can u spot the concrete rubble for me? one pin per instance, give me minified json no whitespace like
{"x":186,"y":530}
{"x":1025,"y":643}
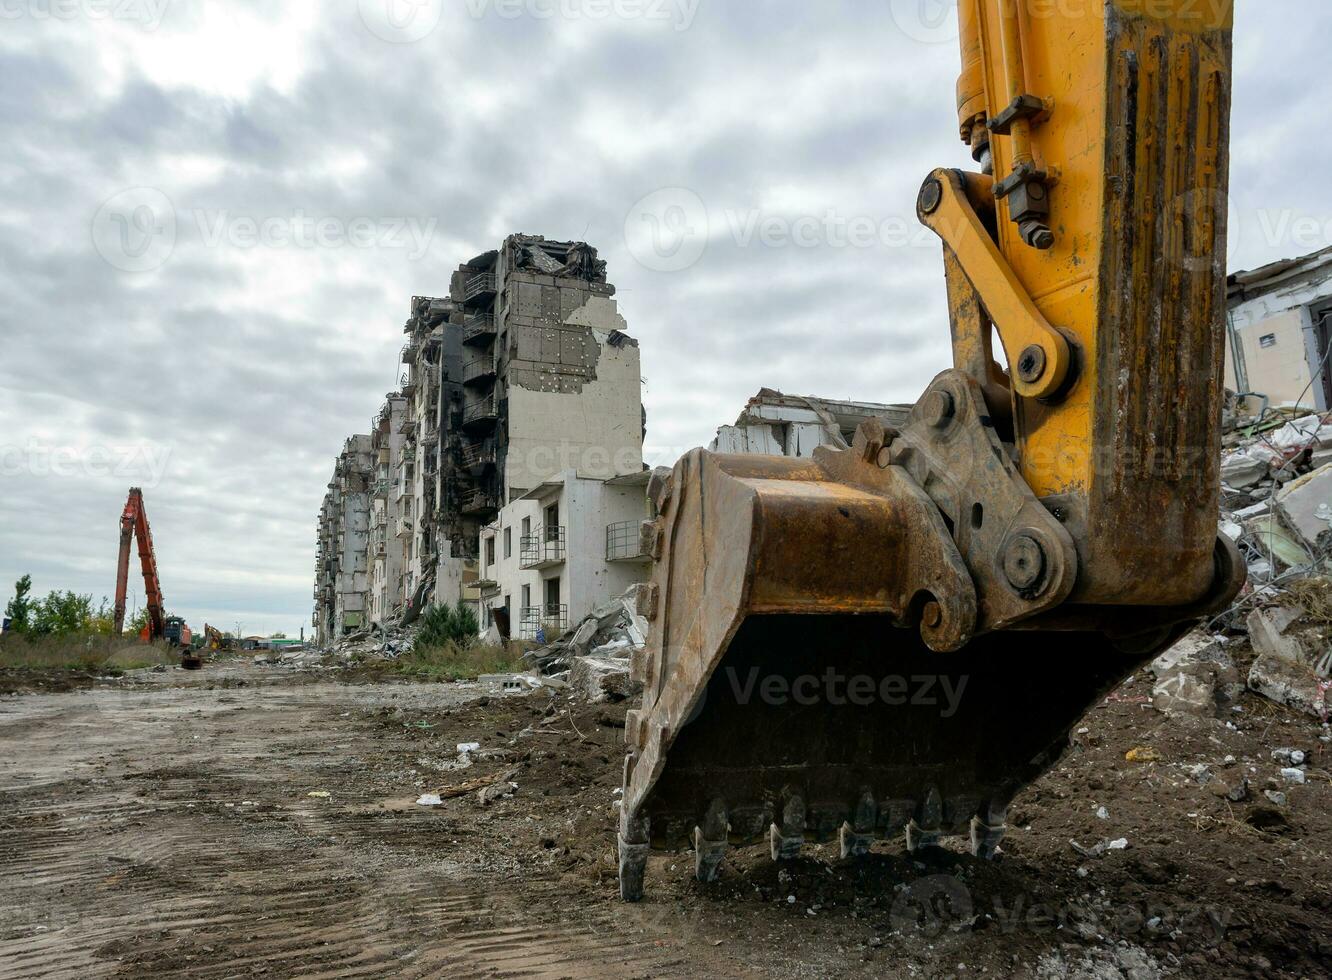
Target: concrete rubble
{"x":596,"y":653}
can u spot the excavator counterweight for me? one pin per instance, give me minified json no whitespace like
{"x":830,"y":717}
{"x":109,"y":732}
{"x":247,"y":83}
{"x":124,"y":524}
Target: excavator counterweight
{"x":899,"y":636}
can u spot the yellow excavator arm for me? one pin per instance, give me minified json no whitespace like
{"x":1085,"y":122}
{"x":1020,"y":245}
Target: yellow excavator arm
{"x":1035,"y":531}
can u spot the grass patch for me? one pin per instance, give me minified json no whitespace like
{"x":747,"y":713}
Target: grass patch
{"x":95,"y":654}
{"x":455,"y":662}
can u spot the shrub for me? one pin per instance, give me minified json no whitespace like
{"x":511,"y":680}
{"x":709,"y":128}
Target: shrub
{"x":445,"y":624}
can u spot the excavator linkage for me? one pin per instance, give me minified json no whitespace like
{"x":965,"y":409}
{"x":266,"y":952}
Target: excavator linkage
{"x":898,"y":637}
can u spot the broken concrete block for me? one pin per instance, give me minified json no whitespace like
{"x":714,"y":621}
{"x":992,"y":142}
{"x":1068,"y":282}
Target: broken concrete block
{"x":1267,"y":628}
{"x":1279,"y":633}
{"x":1305,"y":508}
{"x":1242,"y":470}
{"x":582,"y":639}
{"x":1193,"y":676}
{"x":1272,"y":539}
{"x":600,"y":680}
{"x":1291,"y":684}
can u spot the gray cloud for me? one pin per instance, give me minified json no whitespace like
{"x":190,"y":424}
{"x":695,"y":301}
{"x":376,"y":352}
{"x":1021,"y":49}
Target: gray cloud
{"x":248,"y":365}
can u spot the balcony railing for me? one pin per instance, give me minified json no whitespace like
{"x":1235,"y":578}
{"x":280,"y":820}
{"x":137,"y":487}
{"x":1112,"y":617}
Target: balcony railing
{"x":478,"y":502}
{"x":381,"y":489}
{"x":480,"y":413}
{"x":479,"y":287}
{"x":409,"y":352}
{"x":479,"y":371}
{"x":543,"y":623}
{"x":477,"y":455}
{"x":626,"y":541}
{"x":478,"y":328}
{"x":542,"y":550}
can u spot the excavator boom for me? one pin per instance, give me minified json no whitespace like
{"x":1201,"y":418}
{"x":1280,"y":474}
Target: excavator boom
{"x":899,"y":636}
{"x":134,"y":525}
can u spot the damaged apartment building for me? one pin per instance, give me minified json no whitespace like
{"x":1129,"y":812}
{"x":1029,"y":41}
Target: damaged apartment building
{"x":774,"y":424}
{"x":519,"y":417}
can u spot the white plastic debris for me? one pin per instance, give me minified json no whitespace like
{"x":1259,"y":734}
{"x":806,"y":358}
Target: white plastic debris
{"x":466,"y":748}
{"x":429,"y":799}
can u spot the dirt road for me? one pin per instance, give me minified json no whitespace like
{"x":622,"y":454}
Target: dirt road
{"x":259,"y":821}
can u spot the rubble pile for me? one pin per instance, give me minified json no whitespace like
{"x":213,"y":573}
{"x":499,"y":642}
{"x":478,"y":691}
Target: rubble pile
{"x":1276,"y":483}
{"x":594,"y":656}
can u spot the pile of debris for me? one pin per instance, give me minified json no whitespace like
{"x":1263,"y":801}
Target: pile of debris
{"x":594,"y":656}
{"x":1277,"y":494}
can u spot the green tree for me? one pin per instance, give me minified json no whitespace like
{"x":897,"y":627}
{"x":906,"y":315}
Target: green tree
{"x":135,"y":624}
{"x":104,"y":619}
{"x":62,"y":613}
{"x":19,"y":610}
{"x":446,"y":624}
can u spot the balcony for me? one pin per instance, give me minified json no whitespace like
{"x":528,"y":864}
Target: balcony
{"x":381,"y":489}
{"x":478,"y":329}
{"x":409,"y":352}
{"x":478,"y":289}
{"x":478,"y":502}
{"x":543,"y":623}
{"x":629,"y":541}
{"x":543,"y":550}
{"x":479,"y":372}
{"x":480,"y":415}
{"x":478,"y":456}
{"x":404,"y":529}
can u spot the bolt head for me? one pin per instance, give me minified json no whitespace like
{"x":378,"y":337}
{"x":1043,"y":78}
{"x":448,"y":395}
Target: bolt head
{"x":1031,"y":364}
{"x":1024,"y":563}
{"x":931,"y":194}
{"x":937,"y":409}
{"x":931,"y":616}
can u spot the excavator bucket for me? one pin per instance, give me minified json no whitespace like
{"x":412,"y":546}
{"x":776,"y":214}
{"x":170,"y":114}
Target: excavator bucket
{"x":897,"y":637}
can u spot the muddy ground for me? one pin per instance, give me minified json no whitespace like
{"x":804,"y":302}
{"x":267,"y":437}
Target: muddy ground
{"x":262,"y":821}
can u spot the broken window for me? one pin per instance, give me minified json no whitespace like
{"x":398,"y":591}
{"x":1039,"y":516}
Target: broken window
{"x":490,"y":552}
{"x":508,"y":542}
{"x":1267,"y":340}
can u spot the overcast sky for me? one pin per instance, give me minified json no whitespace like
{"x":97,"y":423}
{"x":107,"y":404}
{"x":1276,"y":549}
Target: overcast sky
{"x":214,"y":214}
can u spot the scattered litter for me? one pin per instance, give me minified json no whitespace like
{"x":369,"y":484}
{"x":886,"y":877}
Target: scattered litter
{"x":320,"y":794}
{"x":430,"y":799}
{"x":1142,"y":754}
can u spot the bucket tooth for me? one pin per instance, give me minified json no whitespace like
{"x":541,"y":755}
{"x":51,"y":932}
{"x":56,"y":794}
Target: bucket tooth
{"x":708,"y":856}
{"x":854,"y":845}
{"x":857,"y":834}
{"x":710,"y":840}
{"x":927,"y":829}
{"x":633,"y":865}
{"x":987,"y":830}
{"x":787,"y":838}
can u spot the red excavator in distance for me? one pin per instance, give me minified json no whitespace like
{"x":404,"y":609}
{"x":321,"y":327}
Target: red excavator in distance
{"x":160,"y":626}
